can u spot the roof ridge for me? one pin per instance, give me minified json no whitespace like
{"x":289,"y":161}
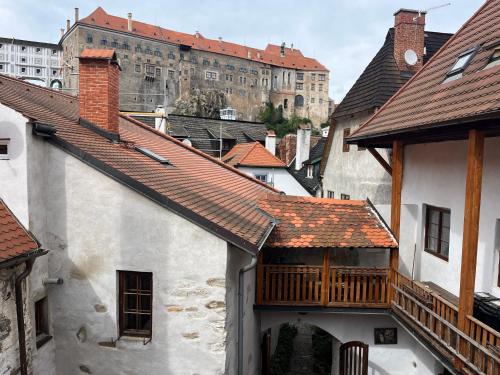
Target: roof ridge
{"x":419,"y":72}
{"x":250,"y":149}
{"x":196,"y":151}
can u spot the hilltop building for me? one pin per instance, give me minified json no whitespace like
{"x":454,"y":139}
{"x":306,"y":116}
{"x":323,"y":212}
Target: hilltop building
{"x":35,"y":62}
{"x":170,"y":68}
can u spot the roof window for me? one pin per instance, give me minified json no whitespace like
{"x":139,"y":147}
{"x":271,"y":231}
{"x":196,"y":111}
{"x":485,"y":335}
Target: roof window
{"x":460,"y":64}
{"x":153,"y":155}
{"x":494,"y":58}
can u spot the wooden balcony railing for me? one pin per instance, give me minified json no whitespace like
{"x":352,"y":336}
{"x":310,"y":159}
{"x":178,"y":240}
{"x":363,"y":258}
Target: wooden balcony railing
{"x":476,"y":348}
{"x":312,"y":286}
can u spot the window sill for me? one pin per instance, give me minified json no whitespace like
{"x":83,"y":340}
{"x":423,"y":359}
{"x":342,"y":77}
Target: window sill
{"x":42,"y":339}
{"x":437,"y":255}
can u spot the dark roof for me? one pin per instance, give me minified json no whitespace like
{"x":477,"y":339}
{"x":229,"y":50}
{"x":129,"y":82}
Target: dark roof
{"x":200,"y":188}
{"x":315,"y":156}
{"x":204,"y":132}
{"x":427,"y":101}
{"x":31,"y":43}
{"x":309,"y":222}
{"x":382,"y":78}
{"x":15,"y":240}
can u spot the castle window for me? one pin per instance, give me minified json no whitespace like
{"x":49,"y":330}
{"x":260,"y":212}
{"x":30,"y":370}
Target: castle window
{"x":171,"y":55}
{"x":299,"y":101}
{"x":135,"y":303}
{"x":321,"y":77}
{"x":137,"y":68}
{"x":157,"y":52}
{"x":171,"y":74}
{"x":313,"y":76}
{"x":211,"y":76}
{"x":300,"y":76}
{"x":313,"y":86}
{"x":299,"y":85}
{"x":320,"y":87}
{"x":158,"y":72}
{"x":138,"y":48}
{"x":114,"y":44}
{"x":206,"y":62}
{"x":104,"y":42}
{"x":216,"y":63}
{"x":126,"y":46}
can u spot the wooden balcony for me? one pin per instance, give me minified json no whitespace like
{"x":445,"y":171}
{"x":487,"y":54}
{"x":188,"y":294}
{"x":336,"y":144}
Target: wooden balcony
{"x":327,"y":286}
{"x":475,"y":350}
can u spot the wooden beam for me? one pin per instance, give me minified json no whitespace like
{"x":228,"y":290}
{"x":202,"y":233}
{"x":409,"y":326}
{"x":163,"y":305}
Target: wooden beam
{"x":325,"y":278}
{"x":381,"y":160}
{"x":397,"y":184}
{"x":473,"y":186}
{"x":260,"y":277}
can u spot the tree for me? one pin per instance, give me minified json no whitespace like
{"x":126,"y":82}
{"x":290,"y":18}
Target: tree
{"x":274,"y":120}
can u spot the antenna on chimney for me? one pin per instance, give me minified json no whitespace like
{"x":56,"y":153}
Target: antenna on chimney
{"x":431,"y":8}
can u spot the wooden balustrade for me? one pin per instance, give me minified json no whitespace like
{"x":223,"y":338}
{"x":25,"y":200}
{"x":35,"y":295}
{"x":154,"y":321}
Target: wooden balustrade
{"x":476,"y":348}
{"x":358,"y":287}
{"x":303,"y":286}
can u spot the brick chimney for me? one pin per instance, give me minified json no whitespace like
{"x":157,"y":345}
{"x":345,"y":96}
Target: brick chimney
{"x":409,"y":35}
{"x":98,"y":88}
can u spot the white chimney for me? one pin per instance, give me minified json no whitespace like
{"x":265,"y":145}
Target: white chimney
{"x":62,"y":32}
{"x":161,"y":119}
{"x":68,"y":25}
{"x":129,"y":23}
{"x":271,"y":141}
{"x":77,"y":15}
{"x":303,"y":145}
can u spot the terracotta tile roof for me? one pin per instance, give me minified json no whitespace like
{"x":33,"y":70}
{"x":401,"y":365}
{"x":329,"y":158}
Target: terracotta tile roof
{"x":93,"y":53}
{"x":426,"y":101}
{"x":318,"y":222}
{"x":252,"y":155}
{"x":14,"y":238}
{"x":271,"y":55}
{"x":216,"y":196}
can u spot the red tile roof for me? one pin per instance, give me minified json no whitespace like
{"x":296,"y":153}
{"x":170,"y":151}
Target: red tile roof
{"x":214,"y":195}
{"x":271,"y":55}
{"x":426,"y":101}
{"x":14,"y":238}
{"x":93,"y":53}
{"x":252,"y":155}
{"x":309,"y":222}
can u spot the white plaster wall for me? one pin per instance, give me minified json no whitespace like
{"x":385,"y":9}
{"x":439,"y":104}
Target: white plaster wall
{"x":435,"y":174}
{"x":355,"y":173}
{"x":96,"y":226}
{"x":281,"y":178}
{"x":405,"y":358}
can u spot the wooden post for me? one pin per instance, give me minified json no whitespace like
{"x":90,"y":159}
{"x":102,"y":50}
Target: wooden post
{"x":473,"y":184}
{"x":397,"y":184}
{"x":325,"y":278}
{"x":260,"y":277}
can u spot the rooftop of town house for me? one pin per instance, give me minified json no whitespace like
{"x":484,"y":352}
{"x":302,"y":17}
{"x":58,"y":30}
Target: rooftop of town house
{"x":15,"y":240}
{"x":271,"y":55}
{"x":252,"y":155}
{"x":310,"y":184}
{"x":382,"y":78}
{"x":198,"y":187}
{"x":204,"y":132}
{"x":459,"y":85}
{"x":307,"y":222}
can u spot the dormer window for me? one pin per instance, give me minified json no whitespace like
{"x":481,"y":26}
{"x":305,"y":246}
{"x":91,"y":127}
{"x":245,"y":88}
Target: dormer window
{"x":460,"y":64}
{"x":494,"y":59}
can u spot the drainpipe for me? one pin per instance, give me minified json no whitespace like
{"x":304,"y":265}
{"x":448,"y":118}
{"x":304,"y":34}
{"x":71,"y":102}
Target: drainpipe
{"x":20,"y":315}
{"x":241,"y":304}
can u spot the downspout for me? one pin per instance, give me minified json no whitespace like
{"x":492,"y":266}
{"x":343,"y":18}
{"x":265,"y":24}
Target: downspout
{"x":241,"y":304}
{"x":241,"y":295}
{"x":20,"y":315}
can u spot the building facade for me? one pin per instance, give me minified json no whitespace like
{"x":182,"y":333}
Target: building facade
{"x":164,"y":67}
{"x":35,"y":62}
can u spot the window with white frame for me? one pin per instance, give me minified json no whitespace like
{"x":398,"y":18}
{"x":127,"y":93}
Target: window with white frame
{"x":210,"y":76}
{"x":330,"y":194}
{"x":4,"y":148}
{"x":309,"y":171}
{"x":261,"y":177}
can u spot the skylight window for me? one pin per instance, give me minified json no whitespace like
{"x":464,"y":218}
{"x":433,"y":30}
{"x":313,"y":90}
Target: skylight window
{"x":460,"y":64}
{"x":153,"y":155}
{"x":494,"y":59}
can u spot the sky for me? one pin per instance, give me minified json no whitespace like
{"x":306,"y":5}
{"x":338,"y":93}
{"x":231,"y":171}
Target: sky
{"x":344,"y":35}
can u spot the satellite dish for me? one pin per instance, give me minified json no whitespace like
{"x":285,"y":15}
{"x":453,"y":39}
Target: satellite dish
{"x":411,"y":57}
{"x":187,"y":142}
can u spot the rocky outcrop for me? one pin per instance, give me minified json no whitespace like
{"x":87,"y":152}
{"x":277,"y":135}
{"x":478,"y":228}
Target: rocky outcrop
{"x":201,"y":103}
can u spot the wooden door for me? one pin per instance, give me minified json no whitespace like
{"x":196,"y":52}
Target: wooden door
{"x":354,"y":358}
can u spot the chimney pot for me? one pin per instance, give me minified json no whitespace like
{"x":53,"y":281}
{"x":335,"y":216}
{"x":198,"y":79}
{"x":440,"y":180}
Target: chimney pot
{"x":99,"y":79}
{"x":68,"y":25}
{"x":77,"y":15}
{"x":129,"y":22}
{"x":62,"y":32}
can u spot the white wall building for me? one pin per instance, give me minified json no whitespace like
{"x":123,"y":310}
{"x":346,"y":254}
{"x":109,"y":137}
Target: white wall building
{"x":35,"y":62}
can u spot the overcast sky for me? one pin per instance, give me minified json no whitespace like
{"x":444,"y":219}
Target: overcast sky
{"x":343,"y":35}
